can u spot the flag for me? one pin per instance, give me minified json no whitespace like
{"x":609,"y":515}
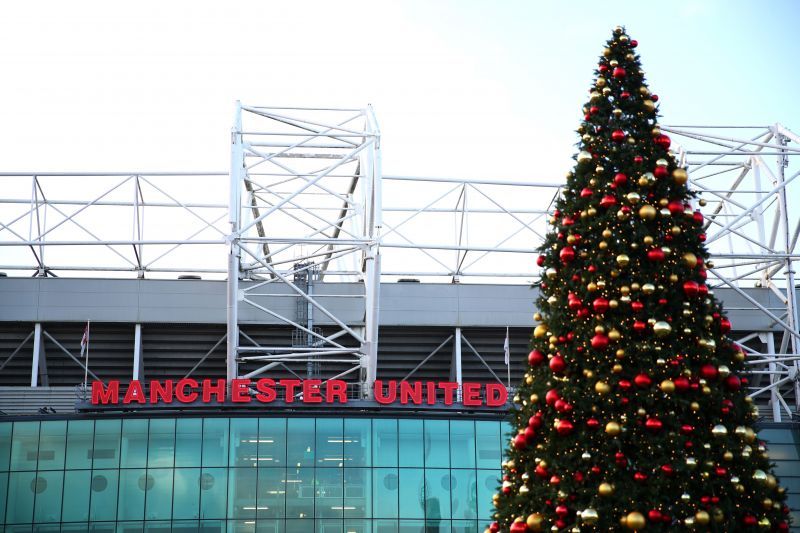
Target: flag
{"x":507,"y":349}
{"x":85,"y":340}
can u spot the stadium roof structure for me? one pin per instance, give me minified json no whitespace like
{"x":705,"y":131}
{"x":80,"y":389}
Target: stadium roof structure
{"x":305,"y":257}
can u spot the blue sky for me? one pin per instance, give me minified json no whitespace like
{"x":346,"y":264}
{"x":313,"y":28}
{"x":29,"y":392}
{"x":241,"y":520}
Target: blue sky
{"x":461,"y":88}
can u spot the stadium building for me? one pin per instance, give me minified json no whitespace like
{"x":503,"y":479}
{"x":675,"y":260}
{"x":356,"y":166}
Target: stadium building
{"x":305,"y":343}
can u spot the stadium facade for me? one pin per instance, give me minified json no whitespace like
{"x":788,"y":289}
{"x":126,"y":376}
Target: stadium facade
{"x":298,"y":369}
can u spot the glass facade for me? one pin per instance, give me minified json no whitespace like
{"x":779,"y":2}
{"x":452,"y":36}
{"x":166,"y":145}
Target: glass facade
{"x":270,"y":475}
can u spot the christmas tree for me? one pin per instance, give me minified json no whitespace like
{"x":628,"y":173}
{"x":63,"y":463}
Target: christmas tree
{"x":633,"y":413}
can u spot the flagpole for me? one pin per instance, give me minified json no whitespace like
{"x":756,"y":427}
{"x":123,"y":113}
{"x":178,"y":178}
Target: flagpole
{"x":508,"y":359}
{"x":86,"y":364}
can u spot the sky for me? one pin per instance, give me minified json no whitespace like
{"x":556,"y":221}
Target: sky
{"x":467,"y":88}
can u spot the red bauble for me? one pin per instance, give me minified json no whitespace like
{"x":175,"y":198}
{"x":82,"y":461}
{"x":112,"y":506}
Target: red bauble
{"x":733,"y":383}
{"x":624,"y":385}
{"x":582,"y":313}
{"x":540,"y":260}
{"x":520,"y":442}
{"x":620,"y":178}
{"x":675,"y":207}
{"x":641,"y":477}
{"x":592,"y":423}
{"x":634,"y":43}
{"x":639,"y":326}
{"x":654,"y":515}
{"x":637,"y":307}
{"x":529,"y":434}
{"x":536,"y":358}
{"x":574,"y":304}
{"x":564,"y":427}
{"x":608,"y":201}
{"x":638,"y":159}
{"x":667,"y":470}
{"x":703,"y":290}
{"x":551,"y":397}
{"x":619,"y":73}
{"x":656,"y":255}
{"x":709,"y":371}
{"x":586,"y":192}
{"x":721,"y":471}
{"x":681,"y":384}
{"x":643,"y":381}
{"x":691,"y":288}
{"x":555,"y":480}
{"x":602,"y":68}
{"x":600,"y":342}
{"x":535,"y":421}
{"x":661,"y":172}
{"x":562,"y":511}
{"x":540,"y":471}
{"x":494,"y":527}
{"x":750,"y":520}
{"x":653,"y":425}
{"x":618,"y":136}
{"x":519,"y":527}
{"x":687,"y":429}
{"x":724,"y":325}
{"x":624,"y":95}
{"x":600,"y":305}
{"x":663,"y":141}
{"x":593,"y":110}
{"x":567,"y":254}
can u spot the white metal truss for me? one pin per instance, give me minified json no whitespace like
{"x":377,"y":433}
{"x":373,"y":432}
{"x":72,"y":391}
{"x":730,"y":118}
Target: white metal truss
{"x":306,"y":203}
{"x":305,"y":207}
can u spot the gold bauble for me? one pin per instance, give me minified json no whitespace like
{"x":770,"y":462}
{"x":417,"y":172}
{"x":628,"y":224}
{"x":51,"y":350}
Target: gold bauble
{"x":767,"y":504}
{"x":648,"y":240}
{"x":620,"y":354}
{"x":605,"y":489}
{"x":602,"y":245}
{"x":591,"y":287}
{"x":675,"y":230}
{"x":607,"y":233}
{"x":649,"y":106}
{"x":764,"y":523}
{"x":648,"y":288}
{"x":540,"y":331}
{"x":635,"y":521}
{"x":739,"y":356}
{"x":702,"y":518}
{"x":662,"y":162}
{"x":642,"y":181}
{"x":719,"y":431}
{"x":606,"y":52}
{"x":594,"y":95}
{"x":772,"y":481}
{"x":616,"y":368}
{"x":690,"y":260}
{"x":613,"y":304}
{"x":647,"y":212}
{"x":551,"y":273}
{"x":691,"y":463}
{"x":760,"y":476}
{"x":534,"y":398}
{"x":718,"y":515}
{"x":633,"y":197}
{"x":537,"y":316}
{"x":617,"y":112}
{"x":694,"y":406}
{"x":728,"y":456}
{"x":667,"y":386}
{"x":614,"y":335}
{"x":724,"y":371}
{"x":601,"y":82}
{"x":662,"y":328}
{"x":589,"y":516}
{"x":673,"y":278}
{"x":535,"y":522}
{"x":601,"y":387}
{"x":584,"y":157}
{"x":644,"y":91}
{"x":613,"y":429}
{"x":680,"y":176}
{"x":635,"y":286}
{"x":622,"y":215}
{"x":623,"y":260}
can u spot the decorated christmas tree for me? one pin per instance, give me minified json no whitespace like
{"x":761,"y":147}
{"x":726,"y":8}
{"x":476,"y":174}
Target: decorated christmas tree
{"x":633,"y":413}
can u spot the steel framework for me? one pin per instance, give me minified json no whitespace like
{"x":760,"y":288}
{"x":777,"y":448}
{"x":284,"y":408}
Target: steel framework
{"x":307,"y":205}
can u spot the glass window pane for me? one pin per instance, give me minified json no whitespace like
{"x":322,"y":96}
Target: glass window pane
{"x":157,"y":527}
{"x":212,"y":526}
{"x":186,"y":496}
{"x":3,"y":492}
{"x":462,"y":444}
{"x":215,"y":442}
{"x":437,"y":447}
{"x":330,"y":525}
{"x":5,"y":445}
{"x":19,"y":508}
{"x":384,"y":442}
{"x":463,"y":494}
{"x":103,"y":488}
{"x":299,"y":526}
{"x":24,"y":443}
{"x":410,"y":439}
{"x":357,"y":442}
{"x":385,"y":526}
{"x":161,"y":447}
{"x":271,"y":495}
{"x":213,"y":488}
{"x":75,"y":507}
{"x":329,"y":493}
{"x":134,"y":443}
{"x":437,"y":494}
{"x":79,"y":444}
{"x":412,"y":493}
{"x":158,"y":489}
{"x":244,"y":442}
{"x":487,"y":437}
{"x":357,"y":493}
{"x":105,"y":453}
{"x":358,"y":526}
{"x":52,"y":442}
{"x":188,"y":441}
{"x":329,"y":442}
{"x":48,"y":488}
{"x":413,"y":526}
{"x":299,"y":492}
{"x":272,"y":442}
{"x":300,"y":442}
{"x":385,"y":484}
{"x":464,"y":526}
{"x":488,"y":481}
{"x":242,"y":492}
{"x":185,"y":526}
{"x":132,"y":485}
{"x":269,"y":526}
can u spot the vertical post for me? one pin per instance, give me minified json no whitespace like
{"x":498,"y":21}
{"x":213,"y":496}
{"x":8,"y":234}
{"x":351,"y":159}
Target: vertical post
{"x":137,"y":352}
{"x":773,"y":393}
{"x":373,"y":216}
{"x":457,"y":360}
{"x":234,"y":211}
{"x":791,"y":290}
{"x":37,"y":349}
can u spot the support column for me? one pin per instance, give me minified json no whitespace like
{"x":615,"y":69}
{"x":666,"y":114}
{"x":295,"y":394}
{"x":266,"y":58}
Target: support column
{"x":234,"y":199}
{"x":774,"y":396}
{"x":456,"y":371}
{"x":37,"y":350}
{"x":138,"y":363}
